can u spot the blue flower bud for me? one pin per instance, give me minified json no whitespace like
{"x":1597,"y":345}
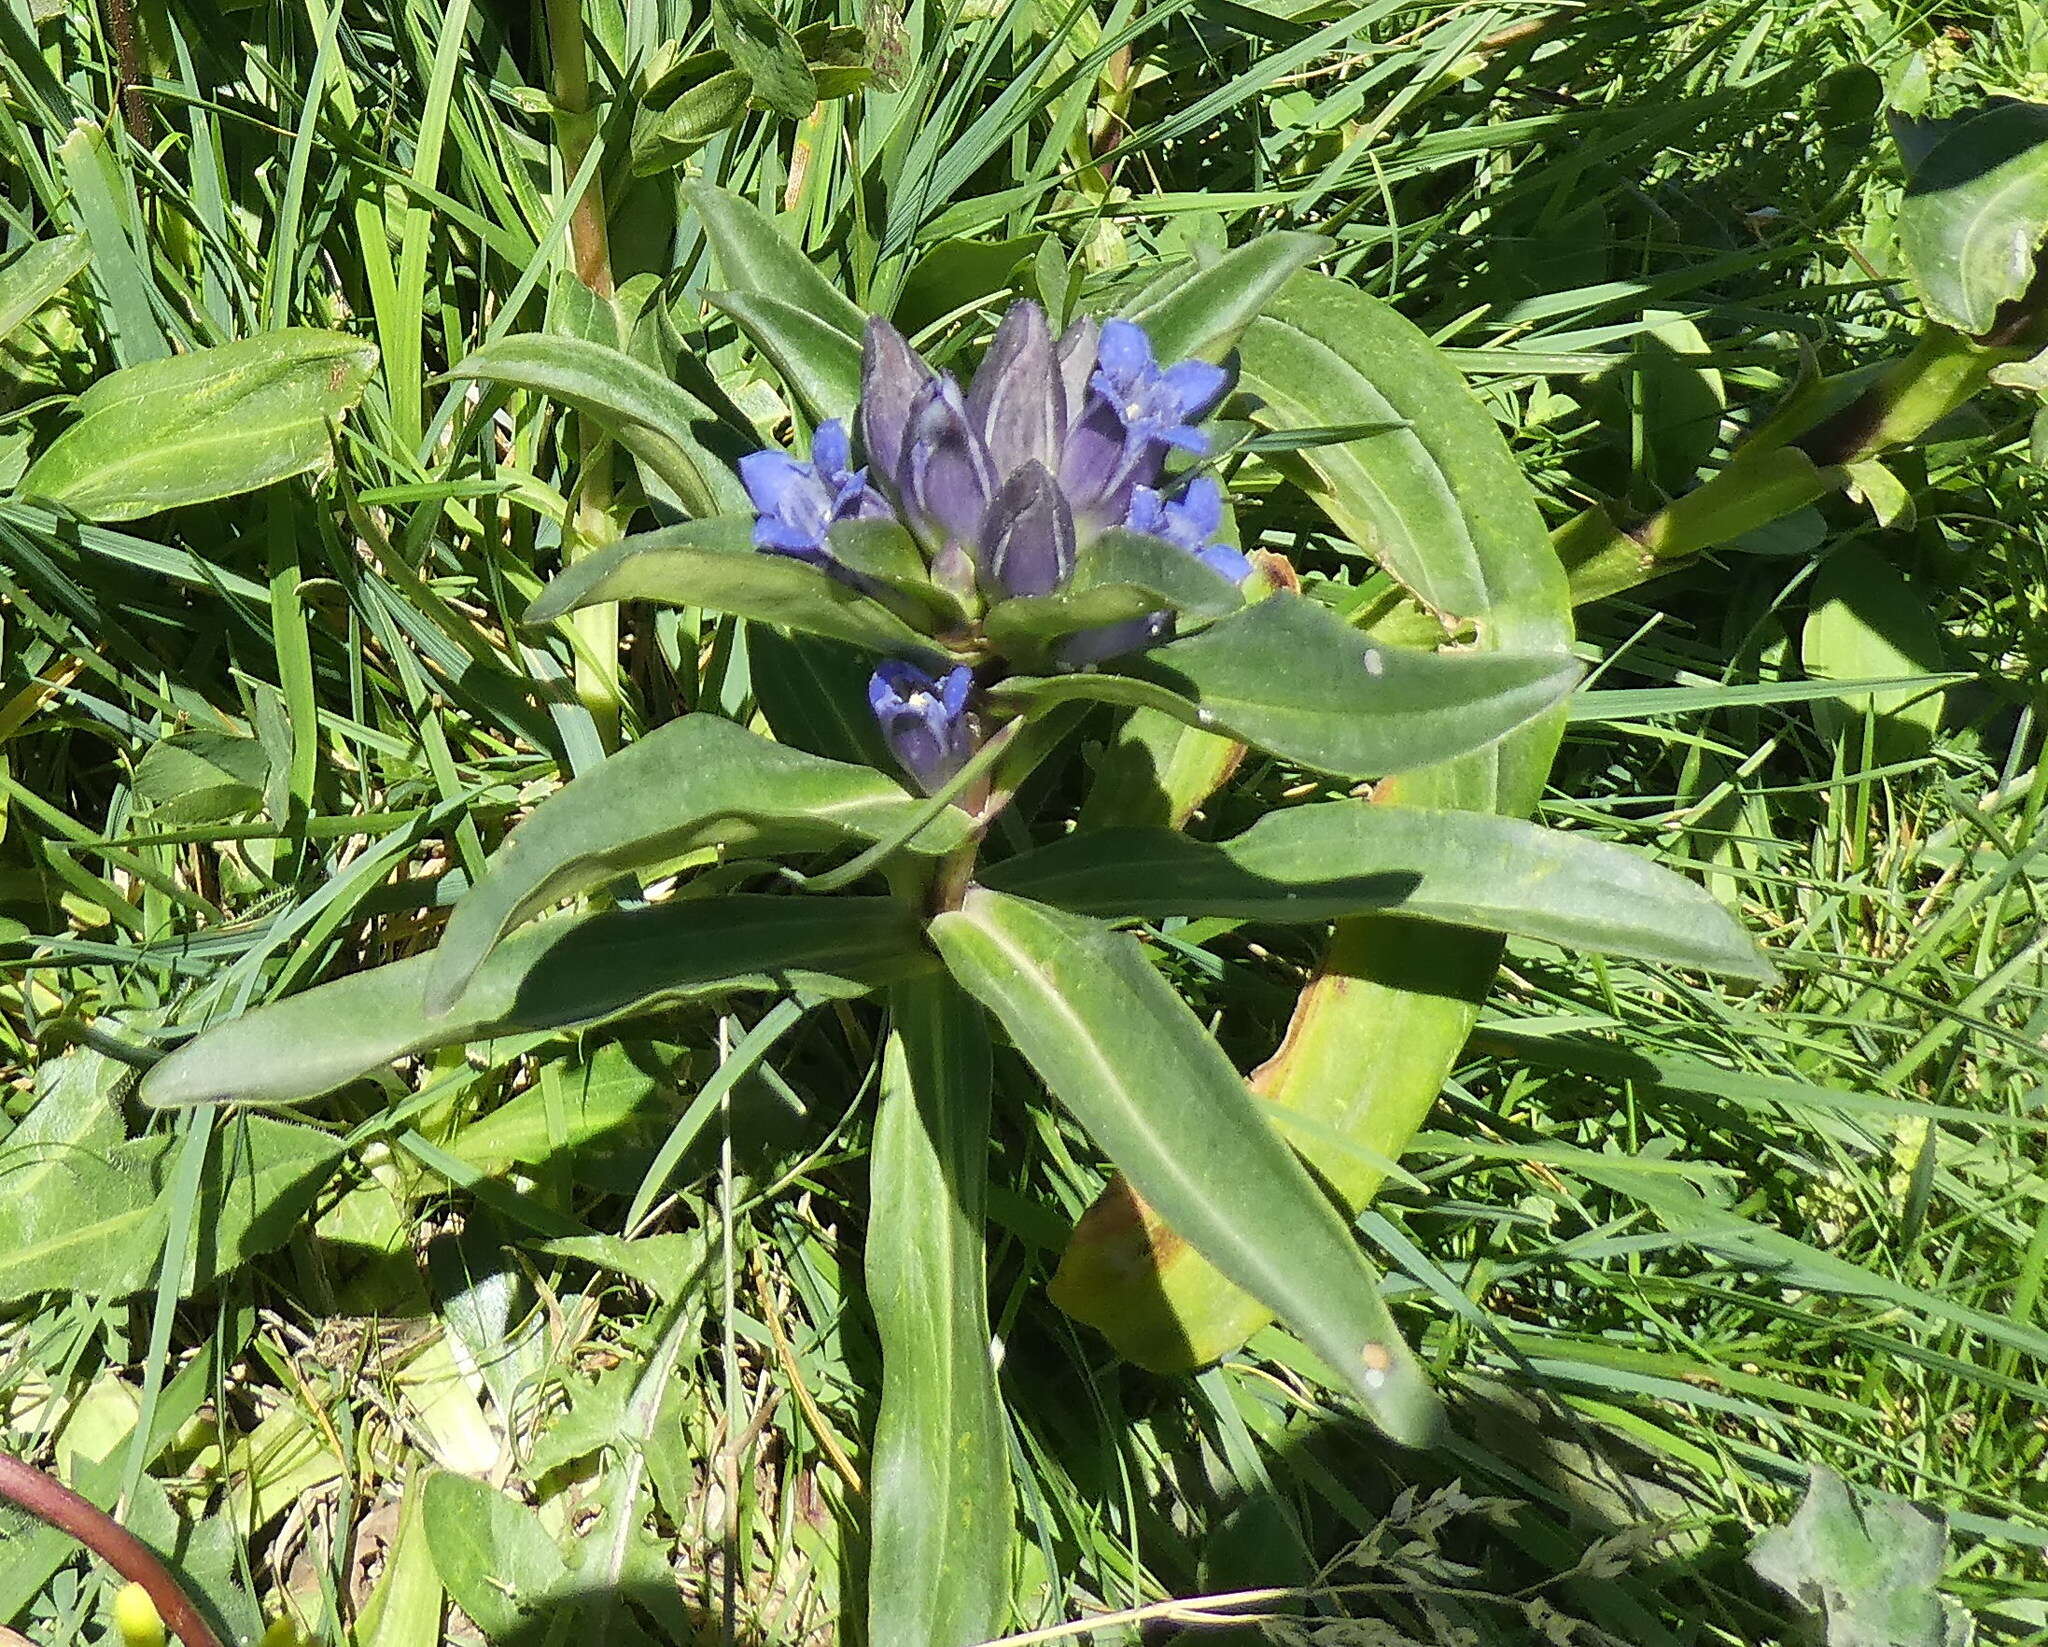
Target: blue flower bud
{"x":799,"y":503}
{"x":892,"y":375}
{"x":923,"y":721}
{"x":1189,"y":523}
{"x":1028,"y":535}
{"x":944,"y":478}
{"x":1017,"y":398}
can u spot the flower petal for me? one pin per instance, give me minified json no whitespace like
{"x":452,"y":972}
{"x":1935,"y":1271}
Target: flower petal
{"x":1017,"y":399}
{"x":892,"y":374}
{"x":1197,"y":386}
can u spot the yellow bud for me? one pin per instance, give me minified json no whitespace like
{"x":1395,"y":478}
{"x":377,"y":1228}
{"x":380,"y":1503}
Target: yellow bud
{"x":135,"y":1616}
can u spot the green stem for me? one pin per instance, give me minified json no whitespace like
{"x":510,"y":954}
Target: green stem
{"x":593,"y":519}
{"x":1779,"y":471}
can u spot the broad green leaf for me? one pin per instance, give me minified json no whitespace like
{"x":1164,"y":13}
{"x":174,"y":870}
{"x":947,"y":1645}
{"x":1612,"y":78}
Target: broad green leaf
{"x":1436,"y":497}
{"x":1184,"y":583}
{"x":1975,"y":213}
{"x":663,"y":139}
{"x":1207,"y":312}
{"x":1026,"y":628}
{"x":814,"y":695}
{"x":202,"y":776}
{"x":1868,"y":622}
{"x":1288,"y":676}
{"x":754,"y":258}
{"x":492,"y":1553}
{"x":957,"y":274}
{"x":662,"y":425}
{"x":939,"y":1483}
{"x":1323,"y":862}
{"x":559,"y":974}
{"x":206,"y":425}
{"x":820,"y":363}
{"x":750,"y":34}
{"x":884,"y":553}
{"x":1126,"y":1056}
{"x":36,"y":276}
{"x":405,"y":1608}
{"x":98,"y":1225}
{"x":1872,"y":1574}
{"x":698,"y":781}
{"x":712,"y":563}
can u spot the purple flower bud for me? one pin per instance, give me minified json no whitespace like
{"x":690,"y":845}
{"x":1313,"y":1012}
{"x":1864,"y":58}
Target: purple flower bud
{"x":1189,"y":523}
{"x":1114,"y":640}
{"x":1077,"y":349}
{"x":799,"y":503}
{"x":1028,"y":535}
{"x":944,"y":478}
{"x":1017,"y":398}
{"x":923,"y":721}
{"x":892,"y":375}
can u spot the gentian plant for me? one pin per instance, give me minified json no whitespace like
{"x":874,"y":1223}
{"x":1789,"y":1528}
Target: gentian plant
{"x":1028,"y":560}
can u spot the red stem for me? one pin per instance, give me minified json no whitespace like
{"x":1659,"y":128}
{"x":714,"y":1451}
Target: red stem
{"x":48,"y":1499}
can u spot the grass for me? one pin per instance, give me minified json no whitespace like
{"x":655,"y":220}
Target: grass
{"x":1669,"y":1247}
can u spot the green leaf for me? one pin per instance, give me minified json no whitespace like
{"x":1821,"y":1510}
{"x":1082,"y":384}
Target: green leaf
{"x":1207,"y":313}
{"x":1324,"y":862}
{"x":202,"y":776}
{"x":885,"y":553}
{"x":1438,"y":499}
{"x":712,"y":563}
{"x":754,"y":258}
{"x":1975,"y":214}
{"x":663,"y":139}
{"x":751,"y":35}
{"x":958,"y":274}
{"x":1288,"y":676}
{"x":37,"y":275}
{"x":1873,"y":1575}
{"x":206,"y":425}
{"x":1868,"y":622}
{"x":663,"y":426}
{"x":1124,"y":1054}
{"x":696,"y":782}
{"x":495,"y":1558}
{"x":559,"y":974}
{"x":940,"y":1480}
{"x":820,"y":363}
{"x":97,"y":1225}
{"x":1182,"y":583}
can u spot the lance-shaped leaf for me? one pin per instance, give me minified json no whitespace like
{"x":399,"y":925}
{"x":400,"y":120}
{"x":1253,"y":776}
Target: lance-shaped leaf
{"x":662,"y":425}
{"x":1206,"y":313}
{"x":699,"y":781}
{"x":1439,"y":500}
{"x":940,"y":1480}
{"x":820,"y":363}
{"x":712,"y":563}
{"x":807,"y":327}
{"x":758,"y":42}
{"x":559,"y":974}
{"x":38,"y":275}
{"x":192,"y":428}
{"x":1288,"y":676}
{"x":1975,"y":214}
{"x":1324,"y":862}
{"x":1126,"y":1056}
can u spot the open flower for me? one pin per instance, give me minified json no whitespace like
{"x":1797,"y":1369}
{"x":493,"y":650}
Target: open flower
{"x":923,"y":721}
{"x":797,"y":504}
{"x":1191,"y":522}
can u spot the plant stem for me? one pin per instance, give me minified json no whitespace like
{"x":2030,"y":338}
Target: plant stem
{"x":592,"y":521}
{"x":1779,"y":471}
{"x":49,"y":1500}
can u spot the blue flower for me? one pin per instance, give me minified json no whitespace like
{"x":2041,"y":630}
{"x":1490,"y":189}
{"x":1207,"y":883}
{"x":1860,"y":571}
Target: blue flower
{"x":1132,"y":413}
{"x":923,"y":721}
{"x":1154,"y":404}
{"x":1191,"y":522}
{"x":798,"y":503}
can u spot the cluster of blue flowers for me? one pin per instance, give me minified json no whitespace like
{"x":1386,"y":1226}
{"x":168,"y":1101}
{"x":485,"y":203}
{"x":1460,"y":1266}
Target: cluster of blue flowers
{"x":1052,"y":442}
